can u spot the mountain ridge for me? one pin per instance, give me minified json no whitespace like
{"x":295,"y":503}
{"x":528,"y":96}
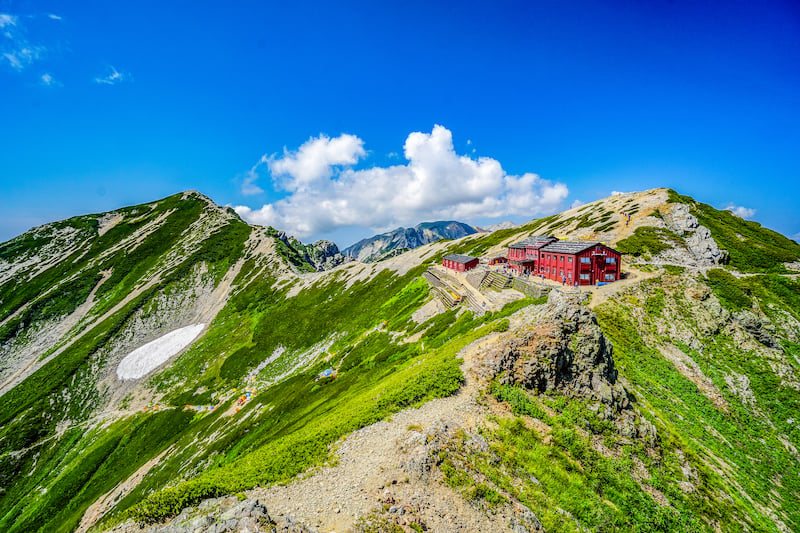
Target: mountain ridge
{"x":703,"y":338}
{"x":378,"y":246}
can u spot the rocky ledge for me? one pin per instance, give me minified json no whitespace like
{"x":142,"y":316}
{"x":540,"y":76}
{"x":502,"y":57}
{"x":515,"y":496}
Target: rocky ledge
{"x":566,"y":351}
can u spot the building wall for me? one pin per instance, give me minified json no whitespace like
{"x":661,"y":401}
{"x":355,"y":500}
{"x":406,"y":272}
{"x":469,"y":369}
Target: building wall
{"x":598,"y":263}
{"x":460,"y":267}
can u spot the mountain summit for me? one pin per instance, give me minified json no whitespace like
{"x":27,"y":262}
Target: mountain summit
{"x":168,"y":367}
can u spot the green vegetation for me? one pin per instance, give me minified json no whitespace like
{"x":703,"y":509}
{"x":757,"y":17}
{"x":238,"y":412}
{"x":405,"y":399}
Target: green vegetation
{"x":751,"y":247}
{"x":115,"y":455}
{"x":562,"y":471}
{"x":647,"y":241}
{"x":690,"y":423}
{"x":731,"y":292}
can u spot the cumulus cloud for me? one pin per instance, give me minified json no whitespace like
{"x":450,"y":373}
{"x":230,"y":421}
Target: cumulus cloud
{"x":112,"y":77}
{"x":576,"y":203}
{"x":741,"y":211}
{"x":314,"y":161}
{"x":325,"y":192}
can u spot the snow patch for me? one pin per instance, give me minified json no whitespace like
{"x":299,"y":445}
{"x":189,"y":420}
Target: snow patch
{"x":146,"y":358}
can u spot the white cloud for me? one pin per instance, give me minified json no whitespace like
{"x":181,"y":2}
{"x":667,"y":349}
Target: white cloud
{"x":616,"y":193}
{"x":48,"y":80}
{"x":576,"y":203}
{"x":15,"y":48}
{"x":796,"y":237}
{"x":326,"y":193}
{"x":20,"y":58}
{"x":7,"y":20}
{"x":113,"y":77}
{"x":53,"y":16}
{"x":314,"y":161}
{"x":740,"y":211}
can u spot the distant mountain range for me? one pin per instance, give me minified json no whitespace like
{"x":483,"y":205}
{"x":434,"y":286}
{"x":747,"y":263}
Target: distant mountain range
{"x":378,"y":246}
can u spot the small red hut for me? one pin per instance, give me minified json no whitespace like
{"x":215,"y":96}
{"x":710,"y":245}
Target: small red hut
{"x":460,"y":263}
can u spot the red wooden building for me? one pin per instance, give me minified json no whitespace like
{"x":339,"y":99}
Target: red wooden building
{"x":581,"y":263}
{"x":522,"y":255}
{"x":459,"y":262}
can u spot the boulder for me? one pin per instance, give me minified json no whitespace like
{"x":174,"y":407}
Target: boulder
{"x":565,"y":351}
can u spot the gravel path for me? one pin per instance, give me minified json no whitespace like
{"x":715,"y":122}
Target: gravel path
{"x":368,"y":472}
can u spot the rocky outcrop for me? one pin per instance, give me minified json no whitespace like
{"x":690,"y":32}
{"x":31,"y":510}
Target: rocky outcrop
{"x":759,"y":327}
{"x":699,"y":242}
{"x":322,"y":255}
{"x":566,"y":351}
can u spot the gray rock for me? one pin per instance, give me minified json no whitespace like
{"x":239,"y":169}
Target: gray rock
{"x":699,"y":242}
{"x":565,"y":351}
{"x":758,"y":327}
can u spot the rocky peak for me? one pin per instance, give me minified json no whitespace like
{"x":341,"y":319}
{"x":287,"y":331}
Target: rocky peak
{"x":698,"y":238}
{"x":564,"y":351}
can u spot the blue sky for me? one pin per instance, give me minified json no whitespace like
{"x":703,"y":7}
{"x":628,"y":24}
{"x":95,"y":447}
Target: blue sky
{"x":355,"y":117}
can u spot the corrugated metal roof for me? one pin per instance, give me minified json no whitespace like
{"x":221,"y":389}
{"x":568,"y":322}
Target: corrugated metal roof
{"x":458,"y":258}
{"x":533,"y":241}
{"x":568,"y":247}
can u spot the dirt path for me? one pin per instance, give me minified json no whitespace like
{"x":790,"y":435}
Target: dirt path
{"x":604,"y":292}
{"x":332,"y":498}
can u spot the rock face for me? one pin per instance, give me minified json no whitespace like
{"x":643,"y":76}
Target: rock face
{"x":566,"y":351}
{"x":760,"y":328}
{"x":370,"y":249}
{"x":699,"y":242}
{"x":322,"y":255}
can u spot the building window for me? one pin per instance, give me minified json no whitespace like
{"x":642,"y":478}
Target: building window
{"x":562,"y":258}
{"x":584,"y":276}
{"x":569,"y":259}
{"x":561,"y":273}
{"x":586,"y":260}
{"x":611,"y":260}
{"x":609,"y":277}
{"x":569,"y":274}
